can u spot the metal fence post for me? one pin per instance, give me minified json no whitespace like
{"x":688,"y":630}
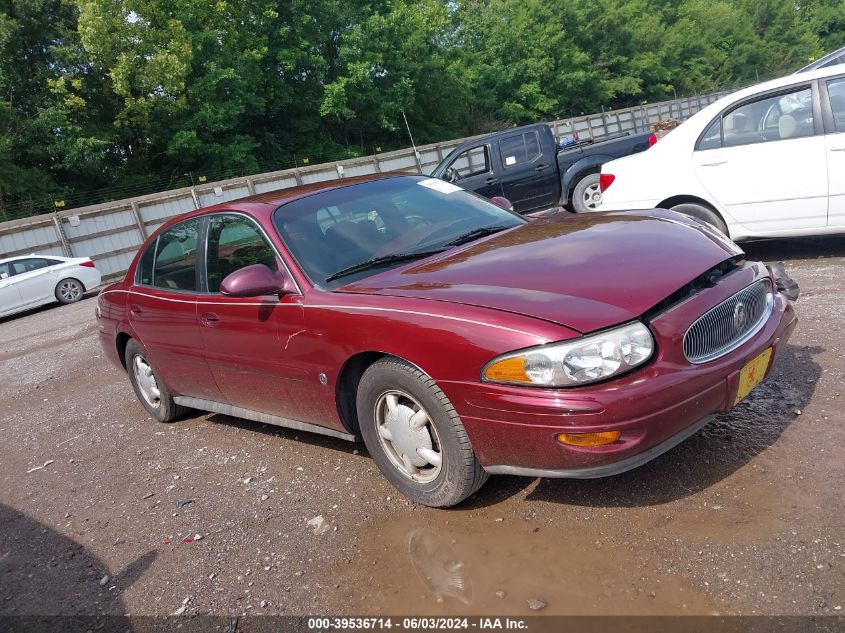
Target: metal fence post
{"x":139,"y":222}
{"x":57,"y":222}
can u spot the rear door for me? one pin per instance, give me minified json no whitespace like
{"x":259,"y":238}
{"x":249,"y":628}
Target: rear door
{"x":764,"y":161}
{"x":472,"y":169}
{"x":529,"y":174}
{"x":834,"y":106}
{"x":163,"y":311}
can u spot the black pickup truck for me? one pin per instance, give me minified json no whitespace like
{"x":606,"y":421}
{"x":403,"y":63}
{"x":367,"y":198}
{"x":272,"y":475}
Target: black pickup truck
{"x":534,"y":170}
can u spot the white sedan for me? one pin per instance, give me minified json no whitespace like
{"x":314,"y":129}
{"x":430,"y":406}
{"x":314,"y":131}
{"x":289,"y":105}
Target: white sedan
{"x":33,"y":280}
{"x":766,"y":161}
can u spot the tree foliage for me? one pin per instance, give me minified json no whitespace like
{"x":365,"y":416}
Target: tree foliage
{"x":128,"y":96}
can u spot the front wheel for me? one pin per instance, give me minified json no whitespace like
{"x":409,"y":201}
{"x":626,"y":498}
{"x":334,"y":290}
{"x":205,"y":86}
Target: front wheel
{"x":586,"y":196}
{"x":415,"y":436}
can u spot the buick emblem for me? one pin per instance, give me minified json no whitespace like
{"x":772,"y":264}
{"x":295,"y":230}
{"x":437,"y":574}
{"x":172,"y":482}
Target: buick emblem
{"x":740,"y":316}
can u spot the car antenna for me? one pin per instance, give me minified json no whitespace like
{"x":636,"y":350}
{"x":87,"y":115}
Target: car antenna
{"x":414,"y":145}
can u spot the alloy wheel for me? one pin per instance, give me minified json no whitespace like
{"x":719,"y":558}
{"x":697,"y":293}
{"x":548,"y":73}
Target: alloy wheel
{"x":592,"y":196}
{"x":70,"y":290}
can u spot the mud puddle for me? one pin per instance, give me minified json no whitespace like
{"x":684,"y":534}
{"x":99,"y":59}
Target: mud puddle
{"x":421,"y":564}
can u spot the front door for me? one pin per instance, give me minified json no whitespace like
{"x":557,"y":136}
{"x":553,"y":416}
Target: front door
{"x":34,"y":279}
{"x":835,"y":146}
{"x":472,"y":169}
{"x":10,"y":298}
{"x":769,"y":170}
{"x":163,"y":311}
{"x":247,"y":339}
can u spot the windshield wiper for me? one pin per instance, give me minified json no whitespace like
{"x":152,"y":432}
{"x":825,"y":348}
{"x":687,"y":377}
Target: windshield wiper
{"x":476,"y":233}
{"x":384,"y":259}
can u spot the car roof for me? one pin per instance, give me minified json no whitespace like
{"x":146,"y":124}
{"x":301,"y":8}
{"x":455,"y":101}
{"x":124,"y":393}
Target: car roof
{"x":836,"y":57}
{"x":279,"y":197}
{"x":30,"y":256}
{"x":262,"y":205}
{"x":788,"y":80}
{"x":691,"y":127}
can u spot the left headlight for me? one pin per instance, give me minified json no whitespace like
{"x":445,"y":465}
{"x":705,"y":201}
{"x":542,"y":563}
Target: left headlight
{"x":576,"y":362}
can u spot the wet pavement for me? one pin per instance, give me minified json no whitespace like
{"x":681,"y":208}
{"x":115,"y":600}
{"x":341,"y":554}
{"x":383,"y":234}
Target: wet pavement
{"x":745,"y":517}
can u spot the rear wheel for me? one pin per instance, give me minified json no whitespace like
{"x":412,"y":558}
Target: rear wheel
{"x":586,"y":196}
{"x":69,"y":291}
{"x":415,"y":436}
{"x":150,"y":389}
{"x":700,"y":212}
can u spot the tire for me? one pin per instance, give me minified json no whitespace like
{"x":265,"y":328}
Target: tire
{"x":162,"y":408}
{"x":457,"y":476}
{"x":584,"y":194}
{"x":700,"y":212}
{"x":69,"y":291}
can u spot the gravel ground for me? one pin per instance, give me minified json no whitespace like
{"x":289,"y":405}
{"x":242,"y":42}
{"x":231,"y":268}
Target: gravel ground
{"x":104,"y":511}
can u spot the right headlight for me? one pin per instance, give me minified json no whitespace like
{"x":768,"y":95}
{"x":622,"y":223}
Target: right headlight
{"x":576,"y":362}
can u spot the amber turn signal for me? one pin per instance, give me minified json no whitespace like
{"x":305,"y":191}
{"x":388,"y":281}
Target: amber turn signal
{"x":589,"y":439}
{"x":508,"y":370}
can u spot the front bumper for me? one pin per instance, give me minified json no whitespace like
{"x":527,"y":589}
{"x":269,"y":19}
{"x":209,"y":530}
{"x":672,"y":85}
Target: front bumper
{"x":513,"y":429}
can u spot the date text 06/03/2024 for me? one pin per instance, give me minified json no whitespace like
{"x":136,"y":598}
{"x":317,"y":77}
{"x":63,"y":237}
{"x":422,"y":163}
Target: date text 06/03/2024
{"x":417,"y":623}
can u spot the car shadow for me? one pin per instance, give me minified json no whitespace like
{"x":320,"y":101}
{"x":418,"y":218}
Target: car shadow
{"x":795,"y":248}
{"x":293,"y":435}
{"x":46,"y":307}
{"x":44,"y":573}
{"x":715,"y":452}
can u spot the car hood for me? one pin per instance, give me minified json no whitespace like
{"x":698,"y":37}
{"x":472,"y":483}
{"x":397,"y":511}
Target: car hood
{"x":586,"y":272}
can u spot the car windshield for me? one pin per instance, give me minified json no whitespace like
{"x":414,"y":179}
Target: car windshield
{"x":443,"y":162}
{"x":344,"y":234}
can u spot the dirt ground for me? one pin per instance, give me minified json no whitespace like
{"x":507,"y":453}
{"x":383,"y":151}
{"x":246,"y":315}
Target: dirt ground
{"x":100,"y":507}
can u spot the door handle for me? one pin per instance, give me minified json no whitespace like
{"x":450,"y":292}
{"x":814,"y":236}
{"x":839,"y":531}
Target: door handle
{"x":714,"y":163}
{"x":209,"y":319}
{"x":490,"y":181}
{"x":135,"y":309}
{"x":540,"y":167}
{"x":838,"y":148}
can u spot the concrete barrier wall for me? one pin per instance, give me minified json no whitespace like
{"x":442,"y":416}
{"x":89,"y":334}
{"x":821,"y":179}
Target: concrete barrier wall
{"x":111,"y":232}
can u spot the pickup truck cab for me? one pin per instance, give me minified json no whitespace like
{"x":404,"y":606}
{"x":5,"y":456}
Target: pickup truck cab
{"x":528,"y":166}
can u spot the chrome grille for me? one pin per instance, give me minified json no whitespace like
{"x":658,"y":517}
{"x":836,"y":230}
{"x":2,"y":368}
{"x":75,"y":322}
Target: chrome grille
{"x":730,"y":324}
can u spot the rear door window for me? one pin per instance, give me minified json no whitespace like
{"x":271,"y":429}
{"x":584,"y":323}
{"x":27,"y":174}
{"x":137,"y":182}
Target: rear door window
{"x":771,"y":118}
{"x":171,"y":261}
{"x":520,"y":148}
{"x":836,"y":92}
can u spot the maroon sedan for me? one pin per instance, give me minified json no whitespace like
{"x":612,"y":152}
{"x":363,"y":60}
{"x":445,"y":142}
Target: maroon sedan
{"x":455,"y":337}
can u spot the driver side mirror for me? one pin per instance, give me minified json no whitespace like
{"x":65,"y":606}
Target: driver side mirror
{"x":504,"y":203}
{"x":256,"y":281}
